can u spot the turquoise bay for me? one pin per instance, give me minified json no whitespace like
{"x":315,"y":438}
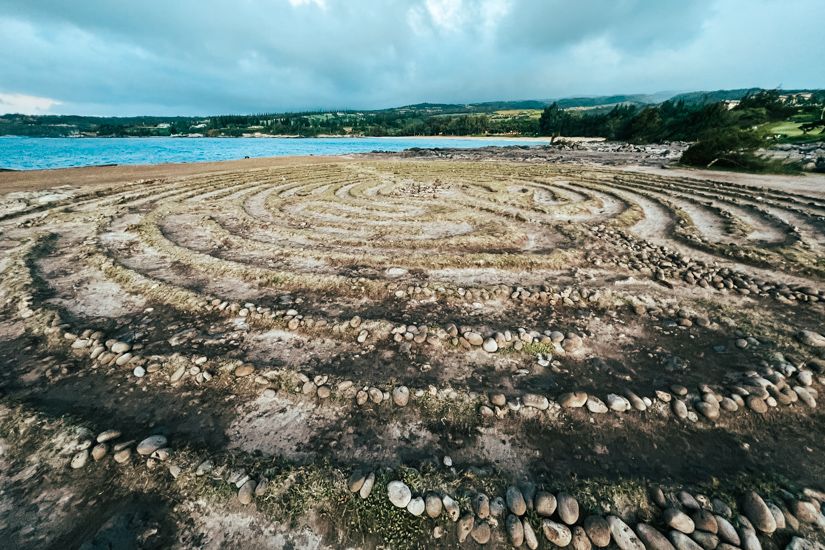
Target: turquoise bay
{"x":23,"y":153}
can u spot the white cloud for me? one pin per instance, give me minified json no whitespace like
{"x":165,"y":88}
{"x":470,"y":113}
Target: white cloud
{"x":454,"y":17}
{"x":25,"y":104}
{"x":492,"y":11}
{"x":446,"y":14}
{"x":415,"y":19}
{"x":208,"y":56}
{"x":319,"y":3}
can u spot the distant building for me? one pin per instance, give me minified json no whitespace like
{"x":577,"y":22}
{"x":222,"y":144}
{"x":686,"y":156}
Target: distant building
{"x":731,"y":103}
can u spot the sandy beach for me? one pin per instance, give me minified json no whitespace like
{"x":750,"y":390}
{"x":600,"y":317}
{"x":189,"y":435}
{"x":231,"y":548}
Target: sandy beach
{"x":91,"y":176}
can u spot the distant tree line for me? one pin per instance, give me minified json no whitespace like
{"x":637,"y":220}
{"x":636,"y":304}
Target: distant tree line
{"x":726,"y":135}
{"x":726,"y":132}
{"x":668,"y":121}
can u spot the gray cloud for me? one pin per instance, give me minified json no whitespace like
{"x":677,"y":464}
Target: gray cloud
{"x":210,"y":56}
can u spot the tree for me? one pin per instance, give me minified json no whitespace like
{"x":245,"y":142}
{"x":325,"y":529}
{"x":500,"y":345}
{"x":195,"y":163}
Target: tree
{"x":646,"y":127}
{"x":733,"y":148}
{"x":552,"y":121}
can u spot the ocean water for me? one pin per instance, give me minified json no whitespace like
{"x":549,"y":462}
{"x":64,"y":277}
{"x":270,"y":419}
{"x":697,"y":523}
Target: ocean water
{"x":24,"y":153}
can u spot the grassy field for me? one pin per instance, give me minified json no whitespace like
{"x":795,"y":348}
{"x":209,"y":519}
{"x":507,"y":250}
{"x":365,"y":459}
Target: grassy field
{"x":792,"y":133}
{"x":517,"y":113}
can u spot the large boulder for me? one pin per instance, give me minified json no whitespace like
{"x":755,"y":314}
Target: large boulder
{"x":514,"y":530}
{"x":401,"y":395}
{"x":798,"y":543}
{"x":758,"y":512}
{"x":573,"y":400}
{"x":580,"y":540}
{"x":726,"y":531}
{"x":568,"y":508}
{"x":598,"y":530}
{"x":356,"y":480}
{"x":624,"y":536}
{"x":683,"y":542}
{"x":515,"y":501}
{"x":545,"y":503}
{"x":399,"y":494}
{"x":811,"y":338}
{"x":529,"y":535}
{"x":749,"y":539}
{"x":481,"y":533}
{"x":706,"y":540}
{"x":416,"y":506}
{"x":432,"y":504}
{"x":652,"y":538}
{"x":151,"y":444}
{"x":557,"y":533}
{"x":678,"y":520}
{"x":704,"y":521}
{"x":465,"y":526}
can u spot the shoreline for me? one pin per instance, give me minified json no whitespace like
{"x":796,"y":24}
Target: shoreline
{"x":376,"y":144}
{"x":529,"y":139}
{"x":515,"y":139}
{"x":100,"y":176}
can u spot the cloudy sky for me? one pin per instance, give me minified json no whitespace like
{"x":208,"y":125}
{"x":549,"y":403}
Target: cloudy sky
{"x":201,"y":57}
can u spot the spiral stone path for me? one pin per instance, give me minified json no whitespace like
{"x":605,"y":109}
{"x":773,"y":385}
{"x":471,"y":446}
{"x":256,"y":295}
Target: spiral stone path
{"x":412,"y":354}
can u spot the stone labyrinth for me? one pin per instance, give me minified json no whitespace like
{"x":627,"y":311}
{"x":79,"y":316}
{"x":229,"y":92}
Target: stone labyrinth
{"x":407,"y":354}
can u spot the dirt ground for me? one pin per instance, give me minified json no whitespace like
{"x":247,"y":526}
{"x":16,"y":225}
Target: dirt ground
{"x":263,"y":314}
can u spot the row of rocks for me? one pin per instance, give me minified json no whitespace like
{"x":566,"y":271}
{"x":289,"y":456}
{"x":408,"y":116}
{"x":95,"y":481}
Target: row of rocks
{"x":417,"y":188}
{"x":757,"y":392}
{"x":810,"y":155}
{"x":400,"y":395}
{"x":754,"y":390}
{"x":248,"y":487}
{"x":704,"y":197}
{"x":681,"y":317}
{"x":469,"y":338}
{"x":811,"y":338}
{"x":665,"y":264}
{"x":708,"y":404}
{"x":292,"y":319}
{"x":477,"y":523}
{"x":696,"y":522}
{"x":540,"y":293}
{"x":104,"y":352}
{"x":295,"y":320}
{"x":87,"y":446}
{"x":113,"y":352}
{"x":24,"y":306}
{"x":361,"y":482}
{"x":699,"y":523}
{"x":707,"y":526}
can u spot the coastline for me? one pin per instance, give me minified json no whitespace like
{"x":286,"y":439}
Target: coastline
{"x":103,"y":176}
{"x":527,"y":139}
{"x":515,"y":139}
{"x":29,"y":153}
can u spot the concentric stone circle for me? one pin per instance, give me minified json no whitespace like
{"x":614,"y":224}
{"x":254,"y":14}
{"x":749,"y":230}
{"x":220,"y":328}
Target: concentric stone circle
{"x":397,"y":307}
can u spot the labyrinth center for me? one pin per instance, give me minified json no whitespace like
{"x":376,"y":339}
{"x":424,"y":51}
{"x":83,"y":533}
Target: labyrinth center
{"x":338,"y":346}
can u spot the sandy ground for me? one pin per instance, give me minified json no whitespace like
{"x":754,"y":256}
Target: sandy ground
{"x":103,"y":176}
{"x":192,"y":251}
{"x":35,"y":180}
{"x":809,"y":184}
